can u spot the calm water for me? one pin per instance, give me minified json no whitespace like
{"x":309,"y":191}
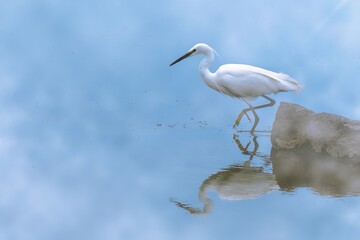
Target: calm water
{"x":101,"y":139}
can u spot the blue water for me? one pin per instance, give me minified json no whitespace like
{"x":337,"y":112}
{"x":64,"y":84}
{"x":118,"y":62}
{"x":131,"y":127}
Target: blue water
{"x":99,"y":137}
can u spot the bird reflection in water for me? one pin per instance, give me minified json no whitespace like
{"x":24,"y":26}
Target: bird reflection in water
{"x":236,"y":182}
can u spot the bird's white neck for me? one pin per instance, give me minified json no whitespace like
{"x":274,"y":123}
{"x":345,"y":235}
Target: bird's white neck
{"x":205,"y":73}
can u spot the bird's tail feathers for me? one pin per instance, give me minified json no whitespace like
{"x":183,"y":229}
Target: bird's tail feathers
{"x":290,"y":83}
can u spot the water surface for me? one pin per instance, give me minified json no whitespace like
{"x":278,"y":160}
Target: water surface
{"x":101,"y":139}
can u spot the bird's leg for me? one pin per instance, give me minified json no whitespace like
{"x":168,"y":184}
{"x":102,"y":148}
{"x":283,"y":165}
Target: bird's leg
{"x":244,"y":111}
{"x":247,"y":116}
{"x":237,"y":121}
{"x":256,"y":119}
{"x":271,"y":103}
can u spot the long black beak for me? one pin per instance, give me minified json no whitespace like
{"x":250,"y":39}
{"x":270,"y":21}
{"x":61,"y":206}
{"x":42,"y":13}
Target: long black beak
{"x":188,"y":54}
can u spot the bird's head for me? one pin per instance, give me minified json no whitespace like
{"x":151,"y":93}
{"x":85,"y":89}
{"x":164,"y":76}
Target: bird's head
{"x":200,"y":48}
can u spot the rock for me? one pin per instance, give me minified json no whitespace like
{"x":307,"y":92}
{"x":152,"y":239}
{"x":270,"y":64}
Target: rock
{"x":295,"y":126}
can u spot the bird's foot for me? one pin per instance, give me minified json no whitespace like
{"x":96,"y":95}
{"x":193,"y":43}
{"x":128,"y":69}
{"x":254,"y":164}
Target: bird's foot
{"x":237,"y":121}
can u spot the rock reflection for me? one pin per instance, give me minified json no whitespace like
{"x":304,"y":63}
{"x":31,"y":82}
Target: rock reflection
{"x":324,"y":174}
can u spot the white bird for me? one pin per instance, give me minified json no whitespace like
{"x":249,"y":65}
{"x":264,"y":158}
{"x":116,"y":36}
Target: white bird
{"x":241,"y":81}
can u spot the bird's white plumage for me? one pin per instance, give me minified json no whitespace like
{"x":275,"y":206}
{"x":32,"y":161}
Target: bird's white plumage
{"x":245,"y":81}
{"x":240,"y":80}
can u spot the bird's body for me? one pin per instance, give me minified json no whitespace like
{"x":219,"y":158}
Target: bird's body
{"x":245,"y":81}
{"x":241,"y":81}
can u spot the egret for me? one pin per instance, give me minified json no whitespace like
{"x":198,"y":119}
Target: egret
{"x":241,"y":81}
